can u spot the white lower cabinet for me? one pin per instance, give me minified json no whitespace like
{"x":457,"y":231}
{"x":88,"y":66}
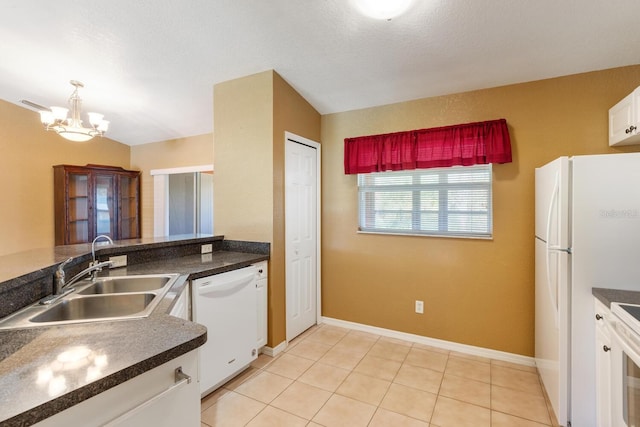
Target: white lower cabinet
{"x":160,"y":397}
{"x":261,"y":302}
{"x":603,"y":365}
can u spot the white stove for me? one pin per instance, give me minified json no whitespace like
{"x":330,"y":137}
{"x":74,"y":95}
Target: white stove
{"x":625,"y":364}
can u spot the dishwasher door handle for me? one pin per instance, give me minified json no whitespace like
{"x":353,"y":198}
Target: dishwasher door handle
{"x":215,"y":288}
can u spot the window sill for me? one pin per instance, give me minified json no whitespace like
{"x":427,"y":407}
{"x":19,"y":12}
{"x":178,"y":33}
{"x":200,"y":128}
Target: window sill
{"x":446,"y":236}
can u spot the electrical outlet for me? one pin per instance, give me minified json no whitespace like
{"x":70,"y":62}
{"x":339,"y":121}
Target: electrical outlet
{"x":206,"y":249}
{"x":118,"y":261}
{"x":419,"y":307}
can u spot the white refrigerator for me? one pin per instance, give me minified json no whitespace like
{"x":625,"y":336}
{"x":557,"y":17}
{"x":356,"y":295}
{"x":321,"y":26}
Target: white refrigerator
{"x":587,"y":234}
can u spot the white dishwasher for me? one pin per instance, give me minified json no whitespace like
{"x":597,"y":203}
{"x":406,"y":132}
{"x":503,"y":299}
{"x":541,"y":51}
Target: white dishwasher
{"x":226,"y":304}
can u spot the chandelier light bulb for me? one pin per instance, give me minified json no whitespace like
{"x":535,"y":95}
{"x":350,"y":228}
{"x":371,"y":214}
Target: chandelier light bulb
{"x":382,"y":9}
{"x":95,"y":119}
{"x":46,"y":117}
{"x":103,"y":126}
{"x":59,"y":113}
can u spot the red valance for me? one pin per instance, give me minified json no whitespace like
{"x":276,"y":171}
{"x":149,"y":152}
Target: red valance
{"x":458,"y":145}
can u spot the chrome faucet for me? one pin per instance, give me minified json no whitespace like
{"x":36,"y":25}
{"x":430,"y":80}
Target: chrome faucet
{"x":59,"y":284}
{"x":93,"y":246}
{"x":61,"y":287}
{"x":93,"y":268}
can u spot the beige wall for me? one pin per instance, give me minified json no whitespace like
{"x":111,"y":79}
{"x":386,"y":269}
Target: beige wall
{"x":475,"y":292}
{"x":243,"y":123}
{"x":250,"y":117}
{"x":27,"y":154}
{"x":175,"y":153}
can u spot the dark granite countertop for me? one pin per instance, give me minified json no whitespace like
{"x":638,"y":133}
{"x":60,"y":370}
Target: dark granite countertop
{"x":607,"y":296}
{"x":196,"y":266}
{"x":28,"y":262}
{"x":36,"y":384}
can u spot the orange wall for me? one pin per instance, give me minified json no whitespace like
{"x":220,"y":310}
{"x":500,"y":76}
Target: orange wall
{"x":175,"y":153}
{"x":291,"y":113}
{"x":27,"y":154}
{"x":475,"y":292}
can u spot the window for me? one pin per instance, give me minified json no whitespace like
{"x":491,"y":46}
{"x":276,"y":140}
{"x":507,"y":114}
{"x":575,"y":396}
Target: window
{"x":183,"y":200}
{"x":453,"y":201}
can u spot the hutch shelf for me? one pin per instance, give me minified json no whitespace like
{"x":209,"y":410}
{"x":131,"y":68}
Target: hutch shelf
{"x":92,"y":200}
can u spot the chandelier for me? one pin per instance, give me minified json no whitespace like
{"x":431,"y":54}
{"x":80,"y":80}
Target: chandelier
{"x":71,"y":128}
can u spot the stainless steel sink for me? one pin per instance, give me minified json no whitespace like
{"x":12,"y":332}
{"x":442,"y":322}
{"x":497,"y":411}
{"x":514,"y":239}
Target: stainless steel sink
{"x":117,"y":285}
{"x":96,"y":307}
{"x":106,"y":299}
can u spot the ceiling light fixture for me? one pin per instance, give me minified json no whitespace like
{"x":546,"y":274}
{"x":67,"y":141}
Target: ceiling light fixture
{"x":71,"y":128}
{"x":382,"y":9}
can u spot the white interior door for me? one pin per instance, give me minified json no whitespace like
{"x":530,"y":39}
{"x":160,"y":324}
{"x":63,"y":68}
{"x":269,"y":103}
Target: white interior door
{"x":301,"y":223}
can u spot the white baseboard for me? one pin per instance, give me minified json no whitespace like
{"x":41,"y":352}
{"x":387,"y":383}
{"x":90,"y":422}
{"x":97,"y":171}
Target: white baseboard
{"x":447,"y":345}
{"x":274,"y":351}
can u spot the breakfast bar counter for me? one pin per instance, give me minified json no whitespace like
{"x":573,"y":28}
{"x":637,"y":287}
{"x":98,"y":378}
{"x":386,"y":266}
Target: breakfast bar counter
{"x":47,"y":369}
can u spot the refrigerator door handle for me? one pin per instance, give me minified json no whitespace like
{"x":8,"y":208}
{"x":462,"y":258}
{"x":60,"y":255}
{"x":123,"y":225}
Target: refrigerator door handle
{"x":559,"y":249}
{"x":554,"y":201}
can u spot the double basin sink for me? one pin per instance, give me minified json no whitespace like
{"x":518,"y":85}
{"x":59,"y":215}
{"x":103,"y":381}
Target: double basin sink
{"x":105,"y":298}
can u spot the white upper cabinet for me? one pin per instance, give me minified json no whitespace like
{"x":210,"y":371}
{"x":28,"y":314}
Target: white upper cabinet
{"x":624,"y":120}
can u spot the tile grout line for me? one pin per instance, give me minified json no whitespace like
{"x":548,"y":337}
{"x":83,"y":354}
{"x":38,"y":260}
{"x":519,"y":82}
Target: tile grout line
{"x":490,"y":394}
{"x":439,"y":388}
{"x":263,"y":369}
{"x":390,"y":382}
{"x":351,"y":371}
{"x":250,"y":377}
{"x":332,"y":393}
{"x":315,"y":361}
{"x":323,"y":405}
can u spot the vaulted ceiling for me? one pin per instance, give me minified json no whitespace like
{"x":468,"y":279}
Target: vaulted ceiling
{"x":150,"y":66}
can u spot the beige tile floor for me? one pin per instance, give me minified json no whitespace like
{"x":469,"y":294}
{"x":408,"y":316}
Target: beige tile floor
{"x":331,"y":376}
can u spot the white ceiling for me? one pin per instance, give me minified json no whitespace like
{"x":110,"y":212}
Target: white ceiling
{"x":150,"y":66}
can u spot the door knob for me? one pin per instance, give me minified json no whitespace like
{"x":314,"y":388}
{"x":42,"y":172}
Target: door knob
{"x":598,"y":317}
{"x":605,"y":348}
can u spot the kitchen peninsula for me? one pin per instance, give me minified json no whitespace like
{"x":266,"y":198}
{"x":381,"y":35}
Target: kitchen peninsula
{"x":124,"y":349}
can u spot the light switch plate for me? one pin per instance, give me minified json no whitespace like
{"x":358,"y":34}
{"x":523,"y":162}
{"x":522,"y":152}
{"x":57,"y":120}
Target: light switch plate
{"x":206,"y":249}
{"x":118,"y":261}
